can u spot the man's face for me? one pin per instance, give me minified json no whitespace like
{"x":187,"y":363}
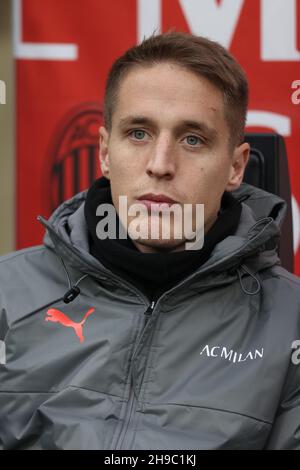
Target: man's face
{"x":169,"y":136}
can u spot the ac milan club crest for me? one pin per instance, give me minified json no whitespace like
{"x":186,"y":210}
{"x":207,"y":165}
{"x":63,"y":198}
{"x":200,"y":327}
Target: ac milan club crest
{"x":74,"y":155}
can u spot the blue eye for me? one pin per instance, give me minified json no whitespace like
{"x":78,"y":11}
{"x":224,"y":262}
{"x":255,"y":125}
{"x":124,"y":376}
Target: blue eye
{"x":193,"y":140}
{"x":139,"y":134}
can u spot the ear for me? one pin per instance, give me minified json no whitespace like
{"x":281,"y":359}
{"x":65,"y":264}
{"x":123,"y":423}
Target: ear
{"x":103,"y":153}
{"x":239,"y":161}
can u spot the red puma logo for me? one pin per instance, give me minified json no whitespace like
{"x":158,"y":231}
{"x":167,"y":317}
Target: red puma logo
{"x":60,"y":317}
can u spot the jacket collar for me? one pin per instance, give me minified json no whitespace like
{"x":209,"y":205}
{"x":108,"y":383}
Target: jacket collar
{"x":255,"y":240}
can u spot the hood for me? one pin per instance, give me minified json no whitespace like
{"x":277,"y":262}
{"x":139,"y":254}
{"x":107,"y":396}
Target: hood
{"x":254,"y":244}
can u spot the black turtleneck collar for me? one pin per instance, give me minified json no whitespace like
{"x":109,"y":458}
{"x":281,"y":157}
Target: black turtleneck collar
{"x":153,"y":273}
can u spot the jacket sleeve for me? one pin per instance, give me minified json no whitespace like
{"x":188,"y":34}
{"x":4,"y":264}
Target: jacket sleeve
{"x":285,"y":433}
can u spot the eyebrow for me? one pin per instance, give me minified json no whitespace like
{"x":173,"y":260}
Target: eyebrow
{"x":188,"y":124}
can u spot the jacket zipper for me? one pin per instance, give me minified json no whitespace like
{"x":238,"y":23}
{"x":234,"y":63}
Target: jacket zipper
{"x":149,"y":312}
{"x":132,"y":399}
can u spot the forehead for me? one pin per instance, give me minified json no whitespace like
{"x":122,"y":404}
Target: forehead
{"x":167,"y":92}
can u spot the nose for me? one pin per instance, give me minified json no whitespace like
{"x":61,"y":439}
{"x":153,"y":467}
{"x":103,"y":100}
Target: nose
{"x":162,"y":162}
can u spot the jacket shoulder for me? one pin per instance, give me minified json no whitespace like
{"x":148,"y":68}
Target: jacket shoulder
{"x":279,"y":272}
{"x":19,"y":253}
{"x":29,"y":278}
{"x":21,"y":265}
{"x":281,"y":294}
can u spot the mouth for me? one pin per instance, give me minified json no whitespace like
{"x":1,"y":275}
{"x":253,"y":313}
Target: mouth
{"x":156,"y":200}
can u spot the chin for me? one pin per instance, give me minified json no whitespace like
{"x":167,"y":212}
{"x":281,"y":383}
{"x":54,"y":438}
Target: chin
{"x":151,"y":238}
{"x":150,"y":246}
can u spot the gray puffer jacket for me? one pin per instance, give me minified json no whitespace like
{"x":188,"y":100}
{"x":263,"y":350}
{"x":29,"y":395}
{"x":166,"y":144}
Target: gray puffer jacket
{"x":208,"y":366}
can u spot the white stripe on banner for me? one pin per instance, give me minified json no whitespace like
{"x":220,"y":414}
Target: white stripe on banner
{"x":279,"y":30}
{"x":278,"y":122}
{"x":38,"y":51}
{"x":296,"y":223}
{"x":217,"y":21}
{"x":148,"y":18}
{"x":2,"y":353}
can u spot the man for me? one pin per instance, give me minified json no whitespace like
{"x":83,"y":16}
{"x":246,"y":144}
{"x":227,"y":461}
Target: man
{"x":139,"y":342}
